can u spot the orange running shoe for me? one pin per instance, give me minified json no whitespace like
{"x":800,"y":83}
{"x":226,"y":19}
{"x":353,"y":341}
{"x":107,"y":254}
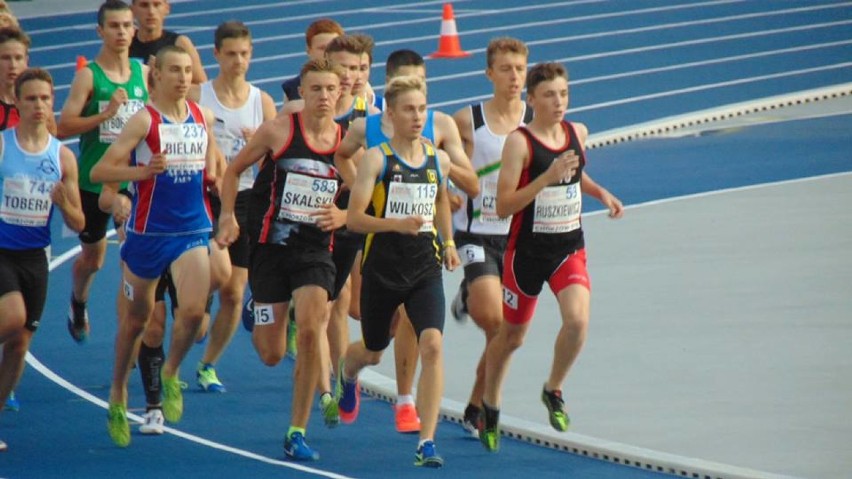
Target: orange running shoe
{"x":406,"y":418}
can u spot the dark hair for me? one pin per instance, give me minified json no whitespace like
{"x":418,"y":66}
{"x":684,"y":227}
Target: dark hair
{"x":11,"y":34}
{"x":345,"y":43}
{"x":402,"y":58}
{"x":367,"y":44}
{"x":110,"y":6}
{"x":32,"y":74}
{"x":543,"y":72}
{"x":230,"y":29}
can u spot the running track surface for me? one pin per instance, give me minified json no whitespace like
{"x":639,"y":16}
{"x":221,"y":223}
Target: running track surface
{"x":630,"y":62}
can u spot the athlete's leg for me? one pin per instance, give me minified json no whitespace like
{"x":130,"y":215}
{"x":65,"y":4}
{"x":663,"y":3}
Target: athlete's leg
{"x":574,"y":306}
{"x":430,"y":387}
{"x":137,"y":294}
{"x":228,"y":317}
{"x":191,"y":275}
{"x":312,"y":321}
{"x":338,"y":325}
{"x":14,"y":340}
{"x":405,"y":354}
{"x":355,"y":294}
{"x":485,"y":306}
{"x":89,"y":262}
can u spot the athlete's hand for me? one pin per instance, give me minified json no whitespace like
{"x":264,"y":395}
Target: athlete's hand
{"x":616,"y":209}
{"x":120,"y":208}
{"x":456,"y":202}
{"x":156,"y":166}
{"x":229,"y":230}
{"x":118,"y":98}
{"x":410,"y":225}
{"x":248,"y":133}
{"x":563,"y":167}
{"x":59,"y":195}
{"x":451,"y":258}
{"x":330,"y":217}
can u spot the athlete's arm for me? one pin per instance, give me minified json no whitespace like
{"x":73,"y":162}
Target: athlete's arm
{"x":443,"y":218}
{"x":357,"y":219}
{"x":66,"y":194}
{"x":510,"y":198}
{"x":352,"y":143}
{"x":589,"y":187}
{"x":261,"y":143}
{"x":465,"y":127}
{"x":268,"y":106}
{"x":198,"y":74}
{"x":291,"y":107}
{"x":71,"y":119}
{"x":115,"y":166}
{"x":215,"y":163}
{"x":462,"y":172}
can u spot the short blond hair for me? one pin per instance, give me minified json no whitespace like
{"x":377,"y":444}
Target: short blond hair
{"x":403,"y":84}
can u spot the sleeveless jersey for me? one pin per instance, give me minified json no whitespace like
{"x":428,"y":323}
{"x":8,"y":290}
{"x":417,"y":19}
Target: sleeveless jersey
{"x":26,"y":180}
{"x":374,"y":135}
{"x":550,"y":226}
{"x":144,"y":50}
{"x":94,"y":143}
{"x":230,"y":122}
{"x":400,"y":260}
{"x":357,"y":110}
{"x":479,"y":216}
{"x":174,"y":202}
{"x":291,"y":186}
{"x":8,"y":115}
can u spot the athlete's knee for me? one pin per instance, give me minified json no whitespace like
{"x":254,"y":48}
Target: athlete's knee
{"x":430,"y":345}
{"x":575,"y":316}
{"x":91,"y":258}
{"x":231,"y":294}
{"x":372,"y":358}
{"x":513,"y":338}
{"x":270,"y":357}
{"x":16,"y":347}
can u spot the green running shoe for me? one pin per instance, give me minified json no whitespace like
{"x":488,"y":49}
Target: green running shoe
{"x":207,"y":379}
{"x":117,"y":425}
{"x":330,"y":411}
{"x":172,"y":397}
{"x":555,"y":409}
{"x":490,"y":439}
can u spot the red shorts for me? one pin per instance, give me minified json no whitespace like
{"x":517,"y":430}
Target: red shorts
{"x":524,"y":277}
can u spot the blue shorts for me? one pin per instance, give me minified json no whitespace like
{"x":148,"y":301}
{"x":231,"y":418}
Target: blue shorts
{"x":149,"y":256}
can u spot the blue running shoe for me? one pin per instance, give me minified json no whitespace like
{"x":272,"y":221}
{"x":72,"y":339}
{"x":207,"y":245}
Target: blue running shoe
{"x":12,"y":403}
{"x":427,"y":456}
{"x":297,"y":449}
{"x":248,"y":313}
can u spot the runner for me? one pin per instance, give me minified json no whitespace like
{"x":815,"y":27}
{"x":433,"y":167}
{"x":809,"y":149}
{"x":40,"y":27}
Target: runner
{"x":290,"y":233}
{"x":103,"y":96}
{"x":168,"y":227}
{"x":541,"y":183}
{"x":402,"y":260}
{"x":36,"y":173}
{"x":479,"y":232}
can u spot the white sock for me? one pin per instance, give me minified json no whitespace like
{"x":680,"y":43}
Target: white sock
{"x":403,"y":399}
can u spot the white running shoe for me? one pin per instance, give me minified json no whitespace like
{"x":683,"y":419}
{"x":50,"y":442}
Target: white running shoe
{"x":458,"y":308}
{"x":154,"y":421}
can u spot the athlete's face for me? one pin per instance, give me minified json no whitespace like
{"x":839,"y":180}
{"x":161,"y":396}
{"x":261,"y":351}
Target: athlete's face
{"x":174,"y":76}
{"x":408,"y":114}
{"x":508,"y":72}
{"x":35,"y":101}
{"x":234,"y":56}
{"x":13,"y":60}
{"x":150,"y":13}
{"x":316,"y":50}
{"x":351,"y":64}
{"x":118,"y":29}
{"x":409,"y":70}
{"x":550,"y":99}
{"x":363,"y":75}
{"x":320,"y":90}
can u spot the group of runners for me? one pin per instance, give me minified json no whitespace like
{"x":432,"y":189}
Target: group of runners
{"x":342,"y":204}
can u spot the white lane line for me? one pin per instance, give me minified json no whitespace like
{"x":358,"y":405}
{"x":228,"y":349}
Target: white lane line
{"x":73,"y":389}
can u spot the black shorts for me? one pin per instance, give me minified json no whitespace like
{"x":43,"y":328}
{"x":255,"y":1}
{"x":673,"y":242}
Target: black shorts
{"x":96,"y":220}
{"x":166,"y":284}
{"x":276,"y":271}
{"x":346,"y":247}
{"x":239,"y":250}
{"x":481,"y":255}
{"x":25,"y":271}
{"x":424,"y":303}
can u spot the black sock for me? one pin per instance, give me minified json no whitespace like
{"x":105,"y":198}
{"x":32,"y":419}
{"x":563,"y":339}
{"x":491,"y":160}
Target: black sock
{"x":78,"y":308}
{"x":491,"y":416}
{"x":471,"y":413}
{"x":150,"y":364}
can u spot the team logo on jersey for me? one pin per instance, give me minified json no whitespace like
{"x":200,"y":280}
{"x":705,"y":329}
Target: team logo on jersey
{"x":137,"y":91}
{"x":47,"y":167}
{"x":397,"y":178}
{"x":432,"y":175}
{"x":396,"y":167}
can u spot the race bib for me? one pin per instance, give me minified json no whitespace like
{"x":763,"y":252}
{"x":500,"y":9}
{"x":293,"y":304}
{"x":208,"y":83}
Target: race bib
{"x":557,"y":209}
{"x":488,"y":212}
{"x":412,"y":199}
{"x":184,"y":145}
{"x":26,"y":201}
{"x":229,"y":143}
{"x":304,"y":196}
{"x":471,"y":253}
{"x":263,"y":315}
{"x":109,"y":130}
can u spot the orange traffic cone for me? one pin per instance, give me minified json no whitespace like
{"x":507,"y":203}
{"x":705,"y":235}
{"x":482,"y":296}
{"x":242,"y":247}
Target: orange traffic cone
{"x":81,"y":62}
{"x":449,"y":45}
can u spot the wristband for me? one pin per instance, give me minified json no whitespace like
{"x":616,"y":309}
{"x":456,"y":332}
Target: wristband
{"x":449,"y":243}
